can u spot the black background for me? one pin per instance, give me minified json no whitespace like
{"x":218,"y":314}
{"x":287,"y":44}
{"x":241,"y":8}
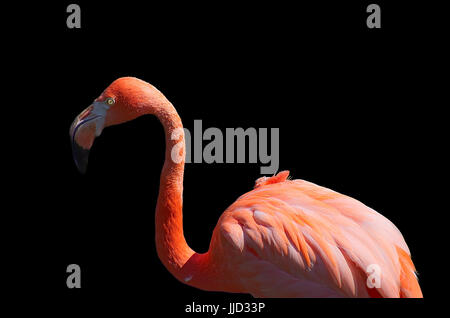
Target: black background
{"x":344,"y":97}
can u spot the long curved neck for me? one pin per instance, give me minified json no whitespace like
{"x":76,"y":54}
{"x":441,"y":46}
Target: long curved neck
{"x":171,"y":246}
{"x":186,"y":265}
{"x":170,"y":242}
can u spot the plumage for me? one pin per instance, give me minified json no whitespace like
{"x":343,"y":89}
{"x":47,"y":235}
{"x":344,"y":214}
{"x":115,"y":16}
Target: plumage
{"x":284,"y":238}
{"x":314,"y":235}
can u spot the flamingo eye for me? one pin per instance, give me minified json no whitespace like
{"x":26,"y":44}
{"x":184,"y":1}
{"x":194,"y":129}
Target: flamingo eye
{"x":110,"y":101}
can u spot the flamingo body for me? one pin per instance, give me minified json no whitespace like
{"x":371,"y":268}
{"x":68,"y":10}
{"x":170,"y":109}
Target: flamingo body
{"x":285,"y":238}
{"x":296,"y":239}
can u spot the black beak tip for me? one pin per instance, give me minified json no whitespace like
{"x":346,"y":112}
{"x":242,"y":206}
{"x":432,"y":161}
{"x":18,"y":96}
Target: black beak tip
{"x":80,"y":156}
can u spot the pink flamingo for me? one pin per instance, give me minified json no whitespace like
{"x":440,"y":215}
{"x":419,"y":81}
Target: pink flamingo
{"x":284,"y":238}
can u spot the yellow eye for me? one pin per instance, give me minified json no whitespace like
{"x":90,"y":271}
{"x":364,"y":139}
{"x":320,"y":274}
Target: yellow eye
{"x":110,"y":101}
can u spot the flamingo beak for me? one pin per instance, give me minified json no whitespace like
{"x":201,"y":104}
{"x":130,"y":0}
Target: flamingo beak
{"x":86,"y":126}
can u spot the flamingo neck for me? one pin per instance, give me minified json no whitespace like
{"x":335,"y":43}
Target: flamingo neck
{"x":182,"y":262}
{"x":170,"y":242}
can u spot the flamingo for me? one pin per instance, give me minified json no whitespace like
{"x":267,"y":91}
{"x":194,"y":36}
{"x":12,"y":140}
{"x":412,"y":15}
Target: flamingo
{"x":284,"y":238}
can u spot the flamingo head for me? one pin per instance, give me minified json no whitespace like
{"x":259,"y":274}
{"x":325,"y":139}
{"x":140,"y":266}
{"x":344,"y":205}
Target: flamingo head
{"x":125,"y":99}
